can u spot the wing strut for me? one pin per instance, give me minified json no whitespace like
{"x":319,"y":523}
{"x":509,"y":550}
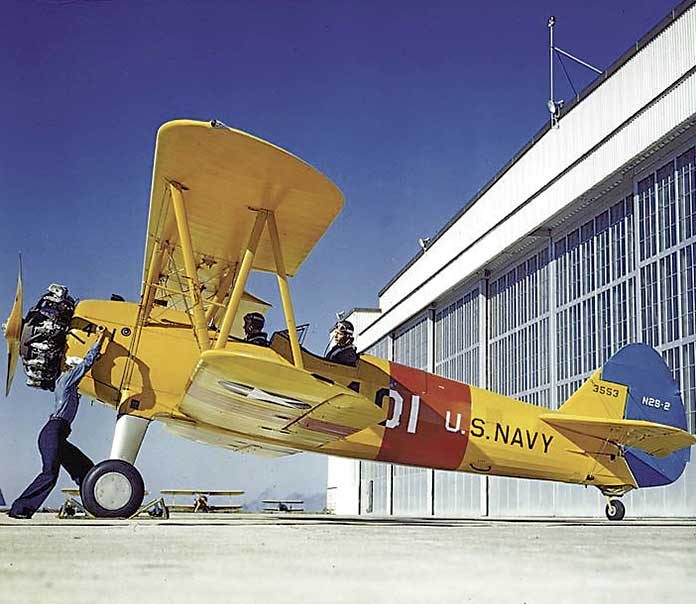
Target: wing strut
{"x":216,"y":304}
{"x":284,"y":291}
{"x":200,"y":327}
{"x":241,"y":279}
{"x":263,"y":217}
{"x":152,"y":279}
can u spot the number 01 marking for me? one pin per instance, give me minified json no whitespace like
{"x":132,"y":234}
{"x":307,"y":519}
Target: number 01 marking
{"x":395,"y":420}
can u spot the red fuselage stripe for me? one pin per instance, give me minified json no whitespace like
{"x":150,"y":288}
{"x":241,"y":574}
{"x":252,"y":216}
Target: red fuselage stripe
{"x":428,"y":420}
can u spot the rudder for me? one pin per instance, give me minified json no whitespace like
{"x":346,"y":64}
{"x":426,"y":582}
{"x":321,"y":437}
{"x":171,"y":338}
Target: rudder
{"x":652,"y":396}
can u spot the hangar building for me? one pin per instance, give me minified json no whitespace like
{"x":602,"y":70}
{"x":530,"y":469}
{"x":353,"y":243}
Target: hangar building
{"x":583,"y":242}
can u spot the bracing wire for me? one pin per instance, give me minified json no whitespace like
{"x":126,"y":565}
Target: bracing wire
{"x":565,"y":71}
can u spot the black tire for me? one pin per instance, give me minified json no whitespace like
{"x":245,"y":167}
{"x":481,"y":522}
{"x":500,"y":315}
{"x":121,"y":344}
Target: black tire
{"x":112,"y":489}
{"x":615,"y":510}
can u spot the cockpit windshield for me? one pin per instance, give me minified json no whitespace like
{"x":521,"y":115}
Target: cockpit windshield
{"x":302,"y":331}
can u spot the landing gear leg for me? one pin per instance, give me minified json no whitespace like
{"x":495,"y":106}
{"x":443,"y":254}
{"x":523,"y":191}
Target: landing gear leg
{"x":615,"y":509}
{"x":128,"y":436}
{"x":114,"y":488}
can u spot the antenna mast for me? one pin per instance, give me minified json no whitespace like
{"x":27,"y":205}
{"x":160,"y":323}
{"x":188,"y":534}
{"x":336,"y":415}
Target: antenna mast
{"x":552,"y":103}
{"x":554,"y":106}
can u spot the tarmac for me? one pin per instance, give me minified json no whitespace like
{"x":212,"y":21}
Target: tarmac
{"x":199,"y":558}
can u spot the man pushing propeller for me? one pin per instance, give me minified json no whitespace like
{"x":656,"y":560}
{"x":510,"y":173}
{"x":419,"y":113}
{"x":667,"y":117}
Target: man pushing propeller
{"x":55,"y":449}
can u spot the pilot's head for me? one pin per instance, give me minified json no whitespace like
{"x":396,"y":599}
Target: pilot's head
{"x":253,"y":323}
{"x":342,"y":333}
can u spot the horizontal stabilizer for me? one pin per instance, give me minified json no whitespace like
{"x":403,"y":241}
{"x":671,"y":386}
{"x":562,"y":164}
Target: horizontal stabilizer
{"x":656,"y":439}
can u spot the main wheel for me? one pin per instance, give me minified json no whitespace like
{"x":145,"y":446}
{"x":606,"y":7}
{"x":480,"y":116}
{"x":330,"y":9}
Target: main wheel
{"x":615,"y":510}
{"x":112,"y":489}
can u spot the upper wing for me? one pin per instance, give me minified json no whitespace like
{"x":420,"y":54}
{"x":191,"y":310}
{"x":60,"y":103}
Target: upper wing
{"x":226,"y":174}
{"x":250,"y":391}
{"x":656,"y":439}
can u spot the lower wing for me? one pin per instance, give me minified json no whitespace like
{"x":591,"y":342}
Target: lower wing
{"x":251,"y":394}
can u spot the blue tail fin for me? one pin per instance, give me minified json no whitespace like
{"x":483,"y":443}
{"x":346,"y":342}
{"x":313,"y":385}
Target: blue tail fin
{"x":652,"y":396}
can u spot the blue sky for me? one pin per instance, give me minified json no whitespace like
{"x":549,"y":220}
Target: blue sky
{"x":409,"y":107}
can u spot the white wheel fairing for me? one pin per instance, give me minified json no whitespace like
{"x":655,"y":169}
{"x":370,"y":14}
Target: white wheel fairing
{"x":112,"y":491}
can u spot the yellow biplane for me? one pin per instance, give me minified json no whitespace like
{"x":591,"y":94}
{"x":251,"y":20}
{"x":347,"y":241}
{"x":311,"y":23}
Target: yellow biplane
{"x":224,"y":203}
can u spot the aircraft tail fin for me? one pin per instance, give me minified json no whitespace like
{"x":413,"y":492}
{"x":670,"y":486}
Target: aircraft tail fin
{"x":633,"y":401}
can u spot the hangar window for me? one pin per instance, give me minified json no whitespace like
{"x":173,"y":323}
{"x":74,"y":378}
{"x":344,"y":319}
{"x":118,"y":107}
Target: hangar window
{"x":646,"y":218}
{"x":411,"y":345}
{"x":522,"y":354}
{"x":667,"y":204}
{"x":561,"y":271}
{"x":604,"y":320}
{"x":588,"y":335}
{"x":533,"y":373}
{"x":381,"y":348}
{"x":543,"y":277}
{"x":588,"y":259}
{"x":493,"y":308}
{"x":512,"y":298}
{"x":688,"y":277}
{"x":521,"y":293}
{"x":623,"y":314}
{"x":689,"y":386}
{"x":576,"y":340}
{"x":562,"y":339}
{"x":543,"y":361}
{"x":519,"y":348}
{"x":621,"y":225}
{"x":504,"y":314}
{"x":650,"y":304}
{"x":686,"y":187}
{"x":457,"y":339}
{"x":603,"y":264}
{"x":670,"y":297}
{"x":574,"y":257}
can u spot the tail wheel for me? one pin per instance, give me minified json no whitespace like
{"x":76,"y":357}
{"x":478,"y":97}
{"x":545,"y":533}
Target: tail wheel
{"x":615,"y":510}
{"x":112,"y":489}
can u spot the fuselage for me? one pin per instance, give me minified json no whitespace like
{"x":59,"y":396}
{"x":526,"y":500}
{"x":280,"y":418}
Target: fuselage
{"x":424,"y":419}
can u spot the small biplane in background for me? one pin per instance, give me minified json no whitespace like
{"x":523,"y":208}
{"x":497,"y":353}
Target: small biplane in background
{"x":224,"y":203}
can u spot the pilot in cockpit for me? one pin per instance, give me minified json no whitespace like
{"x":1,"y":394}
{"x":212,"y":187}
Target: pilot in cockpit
{"x":342,"y":348}
{"x":253,"y":326}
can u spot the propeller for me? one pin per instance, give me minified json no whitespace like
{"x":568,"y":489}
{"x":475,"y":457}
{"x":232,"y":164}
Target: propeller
{"x":13,"y":332}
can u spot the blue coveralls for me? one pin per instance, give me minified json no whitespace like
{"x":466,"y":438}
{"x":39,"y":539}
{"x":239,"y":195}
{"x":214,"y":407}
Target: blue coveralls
{"x":54,"y":447}
{"x":346,"y":355}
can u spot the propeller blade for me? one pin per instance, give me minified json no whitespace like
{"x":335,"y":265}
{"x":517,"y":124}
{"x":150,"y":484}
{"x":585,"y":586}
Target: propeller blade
{"x":13,"y":332}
